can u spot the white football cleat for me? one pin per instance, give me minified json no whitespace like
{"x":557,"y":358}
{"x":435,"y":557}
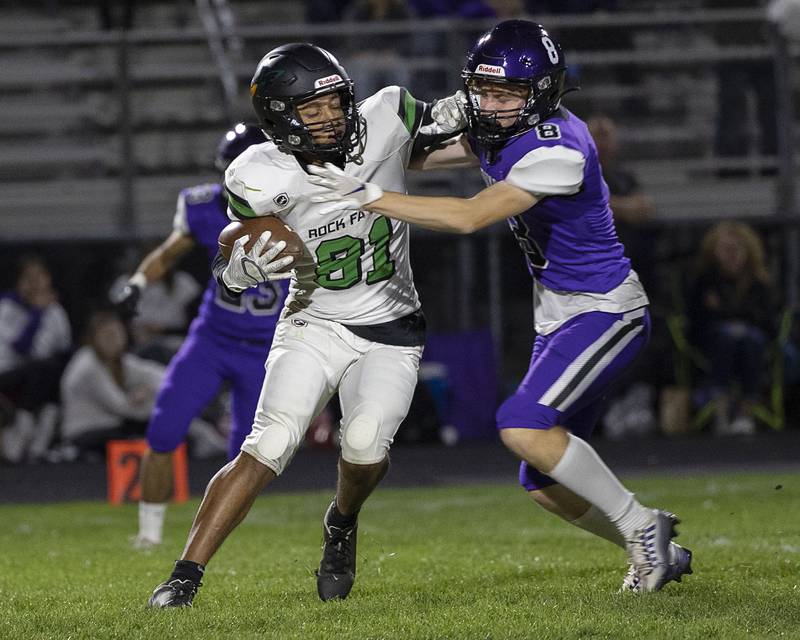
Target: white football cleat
{"x":649,"y":551}
{"x":680,"y":564}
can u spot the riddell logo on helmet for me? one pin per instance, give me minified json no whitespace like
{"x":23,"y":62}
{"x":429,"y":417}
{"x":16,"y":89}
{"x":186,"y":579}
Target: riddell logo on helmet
{"x":490,"y":70}
{"x":324,"y":82}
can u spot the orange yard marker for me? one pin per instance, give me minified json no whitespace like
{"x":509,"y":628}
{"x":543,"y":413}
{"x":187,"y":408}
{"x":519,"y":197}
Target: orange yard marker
{"x":123,"y":461}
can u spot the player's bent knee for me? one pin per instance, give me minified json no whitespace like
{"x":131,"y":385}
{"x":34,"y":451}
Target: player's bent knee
{"x":513,"y":437}
{"x":361,"y":440}
{"x":528,"y":437}
{"x":164,"y":442}
{"x":272,"y":445}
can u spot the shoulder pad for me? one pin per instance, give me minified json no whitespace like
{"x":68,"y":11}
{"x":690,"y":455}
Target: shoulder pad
{"x":191,"y":202}
{"x":201,"y":193}
{"x":180,"y":221}
{"x":261,"y":184}
{"x":399,"y":100}
{"x":554,"y":171}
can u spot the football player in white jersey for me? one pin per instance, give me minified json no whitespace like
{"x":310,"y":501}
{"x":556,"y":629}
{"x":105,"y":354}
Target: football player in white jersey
{"x":352,"y":322}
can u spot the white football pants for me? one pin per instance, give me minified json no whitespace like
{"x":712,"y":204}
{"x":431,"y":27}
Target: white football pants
{"x":309,"y":360}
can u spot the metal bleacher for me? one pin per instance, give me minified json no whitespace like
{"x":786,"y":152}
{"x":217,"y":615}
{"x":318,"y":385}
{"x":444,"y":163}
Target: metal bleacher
{"x":100,"y":129}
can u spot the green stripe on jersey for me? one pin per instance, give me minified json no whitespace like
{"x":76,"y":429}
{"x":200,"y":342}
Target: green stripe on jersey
{"x":410,"y":111}
{"x":239,"y":206}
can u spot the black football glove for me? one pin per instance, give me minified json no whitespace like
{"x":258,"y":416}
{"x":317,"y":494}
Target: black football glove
{"x":126,"y":301}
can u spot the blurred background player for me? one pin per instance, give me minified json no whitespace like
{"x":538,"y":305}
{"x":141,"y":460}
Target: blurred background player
{"x":352,"y":322}
{"x":226,"y":342}
{"x":163,"y":311}
{"x":590,"y":309}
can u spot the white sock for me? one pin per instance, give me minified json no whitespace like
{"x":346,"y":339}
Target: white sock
{"x":596,"y":522}
{"x":583,"y":472}
{"x":151,"y":520}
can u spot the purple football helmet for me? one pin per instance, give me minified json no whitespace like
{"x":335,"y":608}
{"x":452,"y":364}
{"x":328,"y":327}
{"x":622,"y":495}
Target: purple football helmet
{"x":521,"y":54}
{"x":235,"y":141}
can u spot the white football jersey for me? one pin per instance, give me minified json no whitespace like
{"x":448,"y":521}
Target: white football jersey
{"x":361,"y":273}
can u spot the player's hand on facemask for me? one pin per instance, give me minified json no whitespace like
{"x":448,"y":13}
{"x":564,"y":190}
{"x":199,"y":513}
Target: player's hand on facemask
{"x":249,"y":268}
{"x":449,"y":115}
{"x":346,"y":192}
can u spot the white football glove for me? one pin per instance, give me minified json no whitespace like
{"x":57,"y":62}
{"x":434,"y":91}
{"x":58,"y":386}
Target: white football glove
{"x":247,"y":268}
{"x":346,"y":192}
{"x":449,"y":115}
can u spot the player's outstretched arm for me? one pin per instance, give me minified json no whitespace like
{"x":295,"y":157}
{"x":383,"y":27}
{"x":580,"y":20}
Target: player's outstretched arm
{"x":153,"y":267}
{"x":165,"y":256}
{"x":457,"y":215}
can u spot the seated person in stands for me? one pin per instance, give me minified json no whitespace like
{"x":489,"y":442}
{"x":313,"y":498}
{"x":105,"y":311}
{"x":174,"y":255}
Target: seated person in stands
{"x":35,"y":339}
{"x":733,"y":316}
{"x":108,"y":393}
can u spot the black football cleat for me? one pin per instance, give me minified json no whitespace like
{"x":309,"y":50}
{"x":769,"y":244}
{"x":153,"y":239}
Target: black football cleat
{"x":337,"y":569}
{"x":173,"y":593}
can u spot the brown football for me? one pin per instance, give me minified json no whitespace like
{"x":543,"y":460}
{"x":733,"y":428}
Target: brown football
{"x":254,"y":227}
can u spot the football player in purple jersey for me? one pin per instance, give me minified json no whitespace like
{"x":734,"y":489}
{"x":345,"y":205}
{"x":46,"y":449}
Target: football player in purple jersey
{"x":227,"y":340}
{"x":591,"y":312}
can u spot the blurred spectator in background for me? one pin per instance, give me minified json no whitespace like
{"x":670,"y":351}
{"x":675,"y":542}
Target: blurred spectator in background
{"x":164,"y":311}
{"x":785,"y":16}
{"x":108,"y":393}
{"x":631,"y":206}
{"x":35,"y":338}
{"x":379,"y":60}
{"x":116,"y":14}
{"x":431,"y":83}
{"x":468,"y":9}
{"x":570,"y":6}
{"x":324,"y":11}
{"x":740,"y":81}
{"x":318,"y":11}
{"x":451,"y":8}
{"x":733,"y":315}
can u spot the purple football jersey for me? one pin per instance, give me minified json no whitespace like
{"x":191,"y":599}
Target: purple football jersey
{"x":569,"y":241}
{"x":251,"y":316}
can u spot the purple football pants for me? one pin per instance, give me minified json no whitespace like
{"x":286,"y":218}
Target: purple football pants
{"x":570,"y":372}
{"x":193,"y":379}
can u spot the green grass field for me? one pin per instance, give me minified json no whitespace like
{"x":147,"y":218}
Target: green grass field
{"x":465,"y":563}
